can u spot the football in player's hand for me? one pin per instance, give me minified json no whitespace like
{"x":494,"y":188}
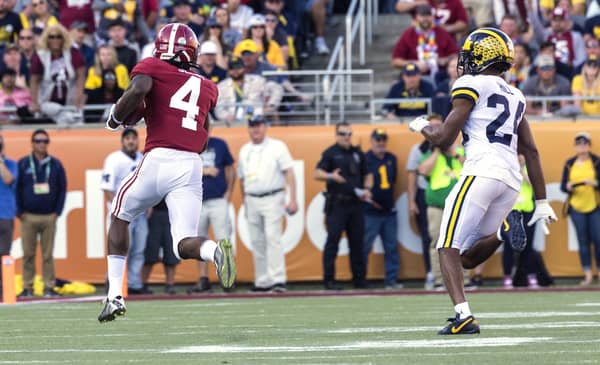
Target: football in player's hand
{"x":134,"y":117}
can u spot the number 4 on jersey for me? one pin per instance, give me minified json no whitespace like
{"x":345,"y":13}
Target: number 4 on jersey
{"x":190,"y":107}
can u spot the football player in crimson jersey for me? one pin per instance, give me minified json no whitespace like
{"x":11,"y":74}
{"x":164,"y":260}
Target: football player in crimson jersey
{"x":178,"y":102}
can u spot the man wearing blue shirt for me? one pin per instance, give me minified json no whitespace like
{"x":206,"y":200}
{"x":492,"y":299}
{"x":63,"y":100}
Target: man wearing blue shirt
{"x":380,"y":212}
{"x":410,"y":86}
{"x":8,"y":207}
{"x":40,"y":194}
{"x":218,"y":179}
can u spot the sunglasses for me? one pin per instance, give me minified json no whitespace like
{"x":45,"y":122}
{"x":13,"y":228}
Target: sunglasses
{"x":44,"y":141}
{"x":344,"y":134}
{"x":581,"y":141}
{"x":26,"y":37}
{"x":35,"y":5}
{"x":271,"y":20}
{"x":592,"y":64}
{"x":55,"y":36}
{"x":380,"y":139}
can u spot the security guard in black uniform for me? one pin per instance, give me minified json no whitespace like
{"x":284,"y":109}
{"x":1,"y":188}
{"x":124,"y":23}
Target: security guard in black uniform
{"x":344,"y":168}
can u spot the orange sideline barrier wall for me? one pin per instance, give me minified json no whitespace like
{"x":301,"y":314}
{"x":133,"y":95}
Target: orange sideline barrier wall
{"x":80,"y":241}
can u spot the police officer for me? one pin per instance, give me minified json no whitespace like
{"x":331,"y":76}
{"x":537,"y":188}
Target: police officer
{"x":344,"y":168}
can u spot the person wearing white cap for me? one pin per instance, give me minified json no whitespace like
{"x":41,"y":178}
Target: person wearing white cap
{"x":267,"y":48}
{"x":207,"y":60}
{"x":546,"y":83}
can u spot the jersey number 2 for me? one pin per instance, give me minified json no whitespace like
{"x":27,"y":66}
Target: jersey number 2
{"x":491,"y":129}
{"x":190,"y":107}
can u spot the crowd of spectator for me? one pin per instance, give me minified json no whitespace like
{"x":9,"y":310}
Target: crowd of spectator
{"x":63,"y":55}
{"x":556,"y":51}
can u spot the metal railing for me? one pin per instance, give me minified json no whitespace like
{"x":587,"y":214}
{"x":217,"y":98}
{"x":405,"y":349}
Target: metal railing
{"x":330,"y":104}
{"x":375,"y":110}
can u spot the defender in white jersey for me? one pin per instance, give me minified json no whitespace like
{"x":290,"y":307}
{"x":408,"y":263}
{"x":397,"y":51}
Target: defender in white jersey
{"x":490,"y":114}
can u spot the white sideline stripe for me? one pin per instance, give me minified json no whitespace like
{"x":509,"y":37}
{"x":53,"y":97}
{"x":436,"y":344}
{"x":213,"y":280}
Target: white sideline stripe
{"x":587,"y":305}
{"x":367,"y":345}
{"x":543,"y":325}
{"x":503,"y":315}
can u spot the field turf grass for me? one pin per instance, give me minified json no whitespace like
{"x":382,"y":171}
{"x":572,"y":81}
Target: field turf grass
{"x":517,"y":328}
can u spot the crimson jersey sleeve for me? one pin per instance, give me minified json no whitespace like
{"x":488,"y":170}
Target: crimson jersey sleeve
{"x":176,"y":107}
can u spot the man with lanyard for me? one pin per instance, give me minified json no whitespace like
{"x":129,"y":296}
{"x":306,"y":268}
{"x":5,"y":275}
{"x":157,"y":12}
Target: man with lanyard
{"x":41,"y":192}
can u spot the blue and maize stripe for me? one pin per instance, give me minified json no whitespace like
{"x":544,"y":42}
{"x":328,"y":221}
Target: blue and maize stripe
{"x":465,"y":93}
{"x":455,"y":212}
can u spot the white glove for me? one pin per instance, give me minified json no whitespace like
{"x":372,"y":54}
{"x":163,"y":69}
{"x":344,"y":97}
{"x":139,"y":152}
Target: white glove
{"x":544,"y":213}
{"x":418,"y":124}
{"x":113,"y":119}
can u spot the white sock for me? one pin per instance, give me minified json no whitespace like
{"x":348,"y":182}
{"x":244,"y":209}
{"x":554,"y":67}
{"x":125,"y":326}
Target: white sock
{"x":207,"y":250}
{"x":499,"y":235}
{"x":463,"y":310}
{"x":320,"y":40}
{"x":116,"y":270}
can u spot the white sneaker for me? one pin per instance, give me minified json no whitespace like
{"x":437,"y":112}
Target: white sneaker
{"x":321,"y":46}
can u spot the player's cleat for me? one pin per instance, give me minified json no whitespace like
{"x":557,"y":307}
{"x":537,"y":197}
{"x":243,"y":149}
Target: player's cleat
{"x":225,"y":263}
{"x":112,"y":308}
{"x":512,"y":231}
{"x":457,"y":326}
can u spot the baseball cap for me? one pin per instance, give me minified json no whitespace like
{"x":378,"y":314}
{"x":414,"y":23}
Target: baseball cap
{"x":208,"y":47}
{"x":256,"y":120}
{"x":379,"y":133}
{"x":247,"y":45}
{"x":423,"y":9}
{"x":256,"y":20}
{"x":128,"y":131}
{"x":117,"y":22}
{"x":411,"y":69}
{"x":235,"y":63}
{"x":182,"y":2}
{"x":545,"y":61}
{"x":560,"y":12}
{"x":7,"y":71}
{"x":592,"y":60}
{"x":583,"y":136}
{"x":11,"y":47}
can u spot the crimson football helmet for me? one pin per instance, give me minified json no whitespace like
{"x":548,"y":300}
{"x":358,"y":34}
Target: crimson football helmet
{"x":176,"y":42}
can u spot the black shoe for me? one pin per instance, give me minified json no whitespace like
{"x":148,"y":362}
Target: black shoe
{"x":202,"y":286}
{"x":512,"y":231}
{"x":361,"y":285}
{"x":50,"y":293}
{"x":170,"y":289}
{"x":331,"y":285}
{"x":25,"y":294}
{"x":278,"y":288}
{"x":466,"y":326}
{"x":141,"y":291}
{"x":112,"y":308}
{"x":475,"y":282}
{"x":260,"y":289}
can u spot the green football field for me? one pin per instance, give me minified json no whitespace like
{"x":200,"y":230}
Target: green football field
{"x":517,"y":328}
